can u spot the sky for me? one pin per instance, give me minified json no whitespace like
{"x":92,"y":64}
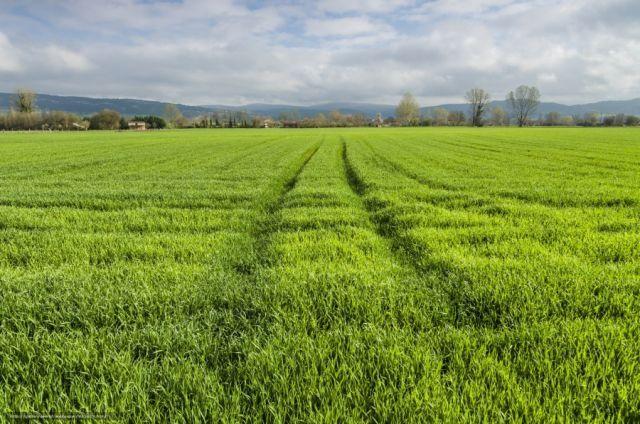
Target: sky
{"x":307,"y":52}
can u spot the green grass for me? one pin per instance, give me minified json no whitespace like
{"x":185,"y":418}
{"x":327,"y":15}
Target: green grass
{"x":376,"y":275}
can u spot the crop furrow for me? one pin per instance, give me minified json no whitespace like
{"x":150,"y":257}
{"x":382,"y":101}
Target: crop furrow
{"x":268,"y":218}
{"x":403,"y":249}
{"x":447,"y":282}
{"x":384,"y":224}
{"x":394,"y":166}
{"x":384,"y":227}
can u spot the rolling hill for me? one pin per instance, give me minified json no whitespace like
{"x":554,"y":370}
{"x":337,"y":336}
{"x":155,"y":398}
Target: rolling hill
{"x":87,"y":106}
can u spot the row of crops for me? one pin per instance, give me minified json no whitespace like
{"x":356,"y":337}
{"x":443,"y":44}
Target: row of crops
{"x":322,"y":275}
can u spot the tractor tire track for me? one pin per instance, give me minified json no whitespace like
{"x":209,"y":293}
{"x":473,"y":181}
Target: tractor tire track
{"x":269,"y":208}
{"x":448,"y":285}
{"x":249,"y":309}
{"x":386,"y":229}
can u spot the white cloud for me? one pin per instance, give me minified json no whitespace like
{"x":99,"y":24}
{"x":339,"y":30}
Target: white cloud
{"x":9,"y":61}
{"x":343,"y":27}
{"x":362,"y":6}
{"x":547,"y":77}
{"x":234,"y":51}
{"x":65,"y":59}
{"x":463,"y":7}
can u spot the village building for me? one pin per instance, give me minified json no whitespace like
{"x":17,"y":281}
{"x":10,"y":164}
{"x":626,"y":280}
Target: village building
{"x":138,"y":125}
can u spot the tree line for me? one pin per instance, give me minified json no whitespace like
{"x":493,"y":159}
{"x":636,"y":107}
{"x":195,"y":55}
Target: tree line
{"x":522,"y":103}
{"x":23,"y":115}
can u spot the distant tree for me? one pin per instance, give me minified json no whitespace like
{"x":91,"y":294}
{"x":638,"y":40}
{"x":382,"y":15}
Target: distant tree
{"x":567,"y":121}
{"x":552,"y":119}
{"x":105,"y":120}
{"x":321,"y":120}
{"x":24,"y":101}
{"x":499,"y":117}
{"x":619,"y":120}
{"x":83,"y":125}
{"x":183,"y":122}
{"x":173,"y":115}
{"x":257,"y":122}
{"x":389,"y":120}
{"x":478,"y":100}
{"x":22,"y":121}
{"x":377,"y":121}
{"x":241,"y":118}
{"x":591,"y":119}
{"x":456,"y":118}
{"x":408,"y":110}
{"x":336,"y":119}
{"x":524,"y":102}
{"x":440,"y":116}
{"x":357,"y":120}
{"x":577,"y":119}
{"x":124,"y":124}
{"x":631,"y":121}
{"x":609,"y":121}
{"x":58,"y":120}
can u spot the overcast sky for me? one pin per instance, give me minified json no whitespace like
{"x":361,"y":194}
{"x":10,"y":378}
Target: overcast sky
{"x":304,"y":52}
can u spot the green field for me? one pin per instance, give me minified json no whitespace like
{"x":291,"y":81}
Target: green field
{"x":377,"y":275}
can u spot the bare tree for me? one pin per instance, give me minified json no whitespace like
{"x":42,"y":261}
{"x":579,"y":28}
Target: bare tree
{"x":336,"y":119}
{"x":378,"y":121}
{"x":499,"y":117}
{"x":321,"y":120}
{"x":524,"y":102}
{"x":552,"y":119}
{"x":456,"y":118}
{"x":173,"y":115}
{"x":25,"y":101}
{"x":440,"y":116}
{"x":591,"y":119}
{"x":408,"y":110}
{"x":479,"y":101}
{"x":619,"y":120}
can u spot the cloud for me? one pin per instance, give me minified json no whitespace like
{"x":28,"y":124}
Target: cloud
{"x":277,"y":51}
{"x":362,"y":6}
{"x":463,"y":7}
{"x":64,"y":59}
{"x":547,"y":77}
{"x":9,"y":61}
{"x":342,"y":27}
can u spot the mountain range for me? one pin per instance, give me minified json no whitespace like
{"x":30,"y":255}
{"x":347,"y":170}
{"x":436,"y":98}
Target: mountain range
{"x":85,"y":106}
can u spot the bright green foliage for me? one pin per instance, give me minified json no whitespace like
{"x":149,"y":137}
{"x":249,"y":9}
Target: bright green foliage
{"x":400,"y":275}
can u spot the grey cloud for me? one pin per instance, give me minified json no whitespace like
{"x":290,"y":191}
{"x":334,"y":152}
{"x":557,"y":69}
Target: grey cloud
{"x":574,"y":50}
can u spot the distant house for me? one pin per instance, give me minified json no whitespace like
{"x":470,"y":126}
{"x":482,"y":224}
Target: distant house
{"x":269,"y":123}
{"x":138,"y":125}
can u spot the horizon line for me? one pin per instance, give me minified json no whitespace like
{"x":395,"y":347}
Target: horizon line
{"x":298,"y":105}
